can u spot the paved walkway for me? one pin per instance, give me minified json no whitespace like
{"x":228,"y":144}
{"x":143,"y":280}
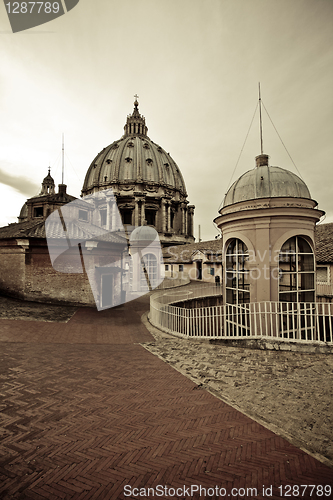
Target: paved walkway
{"x":86,"y":410}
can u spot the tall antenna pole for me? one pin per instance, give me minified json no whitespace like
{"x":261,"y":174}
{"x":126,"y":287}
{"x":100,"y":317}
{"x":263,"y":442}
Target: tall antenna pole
{"x":63,"y":159}
{"x":261,"y":141}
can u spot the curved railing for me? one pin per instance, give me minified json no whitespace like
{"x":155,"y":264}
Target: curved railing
{"x":180,"y":320}
{"x":302,"y":322}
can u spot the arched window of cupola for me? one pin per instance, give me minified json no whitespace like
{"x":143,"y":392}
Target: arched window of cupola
{"x":237,"y":277}
{"x":296,"y":271}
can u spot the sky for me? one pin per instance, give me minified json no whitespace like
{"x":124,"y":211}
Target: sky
{"x":195,"y":65}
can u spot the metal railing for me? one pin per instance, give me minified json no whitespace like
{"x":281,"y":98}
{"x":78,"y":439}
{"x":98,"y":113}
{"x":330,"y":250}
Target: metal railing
{"x":300,"y":322}
{"x":179,"y":320}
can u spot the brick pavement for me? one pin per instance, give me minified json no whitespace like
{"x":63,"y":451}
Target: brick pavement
{"x":85,"y":410}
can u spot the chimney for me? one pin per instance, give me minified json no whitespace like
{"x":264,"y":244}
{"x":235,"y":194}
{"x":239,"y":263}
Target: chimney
{"x":262,"y":160}
{"x":62,"y":188}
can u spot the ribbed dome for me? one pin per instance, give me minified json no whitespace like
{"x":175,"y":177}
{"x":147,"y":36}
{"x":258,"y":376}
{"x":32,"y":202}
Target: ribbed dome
{"x":134,"y":159}
{"x":266,"y":182}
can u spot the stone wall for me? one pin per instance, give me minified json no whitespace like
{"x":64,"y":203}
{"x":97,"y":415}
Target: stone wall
{"x":43,"y":283}
{"x":26,"y":272}
{"x":12,"y":270}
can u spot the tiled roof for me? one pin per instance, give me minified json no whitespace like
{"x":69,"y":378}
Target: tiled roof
{"x":27,"y":229}
{"x":324,"y":242}
{"x":53,"y":198}
{"x":75,"y":229}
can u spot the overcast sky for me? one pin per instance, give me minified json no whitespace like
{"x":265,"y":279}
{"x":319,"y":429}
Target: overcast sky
{"x":195,"y":65}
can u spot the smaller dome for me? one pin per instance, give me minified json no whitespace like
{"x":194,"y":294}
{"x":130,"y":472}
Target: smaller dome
{"x":48,"y":179}
{"x":47,"y":185}
{"x":266,"y":182}
{"x":144,"y":233}
{"x":24,"y":212}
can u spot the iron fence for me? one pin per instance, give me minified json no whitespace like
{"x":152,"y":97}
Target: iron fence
{"x":300,"y":322}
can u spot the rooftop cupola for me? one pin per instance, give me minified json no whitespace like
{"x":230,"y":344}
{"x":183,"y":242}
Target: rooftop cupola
{"x":136,"y":123}
{"x":48,"y":185}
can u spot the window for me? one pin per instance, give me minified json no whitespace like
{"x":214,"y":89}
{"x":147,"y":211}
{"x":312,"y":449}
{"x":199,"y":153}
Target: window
{"x":172,"y":218}
{"x":237,"y":273}
{"x":38,"y":212}
{"x":296,"y":271}
{"x":149,"y":271}
{"x":212,"y":271}
{"x":103,"y":215}
{"x":83,"y":215}
{"x":322,"y":274}
{"x":167,"y":267}
{"x":126,"y":216}
{"x":150,"y":217}
{"x":181,"y":268}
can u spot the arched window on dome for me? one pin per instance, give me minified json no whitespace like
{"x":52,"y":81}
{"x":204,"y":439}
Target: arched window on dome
{"x":237,"y":273}
{"x":296,"y":271}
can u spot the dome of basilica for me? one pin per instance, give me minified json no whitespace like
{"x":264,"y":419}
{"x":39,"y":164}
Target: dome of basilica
{"x":265,"y":181}
{"x":134,"y":159}
{"x":146,"y":182}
